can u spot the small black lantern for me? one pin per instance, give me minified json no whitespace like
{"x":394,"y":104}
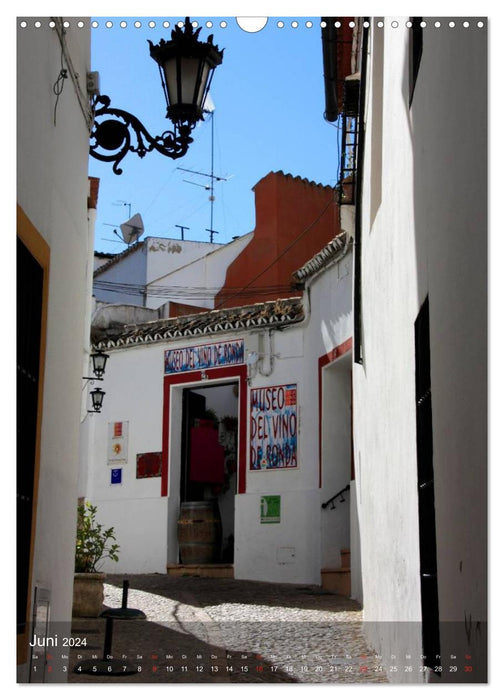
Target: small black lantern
{"x":97,"y":399}
{"x":186,"y":66}
{"x":99,"y":360}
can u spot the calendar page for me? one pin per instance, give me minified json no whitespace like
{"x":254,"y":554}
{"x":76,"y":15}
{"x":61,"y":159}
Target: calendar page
{"x":272,"y":234}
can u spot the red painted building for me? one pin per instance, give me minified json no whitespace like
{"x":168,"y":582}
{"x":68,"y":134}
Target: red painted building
{"x":295,"y":218}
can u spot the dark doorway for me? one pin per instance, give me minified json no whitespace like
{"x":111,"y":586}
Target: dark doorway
{"x":209,"y":454}
{"x":193,"y":410}
{"x":30,"y":280}
{"x":426,"y":501}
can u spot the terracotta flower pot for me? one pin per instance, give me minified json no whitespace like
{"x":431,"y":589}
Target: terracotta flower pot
{"x":88,"y":595}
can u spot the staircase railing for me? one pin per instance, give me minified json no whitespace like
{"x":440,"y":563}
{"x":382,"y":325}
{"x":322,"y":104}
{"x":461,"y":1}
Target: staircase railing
{"x":337,"y":495}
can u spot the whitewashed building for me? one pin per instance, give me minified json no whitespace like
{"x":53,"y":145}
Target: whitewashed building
{"x":56,"y":207}
{"x":414,"y":101}
{"x":268,"y":372}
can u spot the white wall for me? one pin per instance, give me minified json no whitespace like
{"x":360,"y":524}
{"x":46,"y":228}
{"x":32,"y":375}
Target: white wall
{"x":206,"y":272}
{"x":424,"y":231}
{"x":52,"y":188}
{"x":129,"y":274}
{"x":134,"y":394}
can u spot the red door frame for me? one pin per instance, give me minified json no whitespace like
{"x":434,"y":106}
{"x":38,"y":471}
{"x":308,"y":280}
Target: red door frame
{"x":323,"y":361}
{"x":194,"y":378}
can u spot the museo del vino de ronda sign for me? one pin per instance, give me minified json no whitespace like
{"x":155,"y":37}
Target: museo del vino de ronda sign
{"x":200,"y":357}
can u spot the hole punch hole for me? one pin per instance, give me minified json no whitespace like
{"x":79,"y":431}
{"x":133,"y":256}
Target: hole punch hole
{"x":252,"y":24}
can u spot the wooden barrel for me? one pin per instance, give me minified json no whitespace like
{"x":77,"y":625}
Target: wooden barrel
{"x":199,"y":530}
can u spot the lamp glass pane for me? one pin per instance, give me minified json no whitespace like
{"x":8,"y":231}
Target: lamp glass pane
{"x":190,"y":73}
{"x":170,"y":73}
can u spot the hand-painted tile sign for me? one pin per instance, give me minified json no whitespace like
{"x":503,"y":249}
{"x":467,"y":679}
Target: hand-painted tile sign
{"x":117,"y":448}
{"x":204,"y":356}
{"x":273,"y":427}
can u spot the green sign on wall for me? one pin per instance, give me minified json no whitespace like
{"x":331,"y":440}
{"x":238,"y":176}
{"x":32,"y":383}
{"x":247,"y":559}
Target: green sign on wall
{"x":270,"y":509}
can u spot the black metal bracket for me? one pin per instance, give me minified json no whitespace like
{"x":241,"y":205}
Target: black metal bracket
{"x":112,"y":133}
{"x":338,"y":495}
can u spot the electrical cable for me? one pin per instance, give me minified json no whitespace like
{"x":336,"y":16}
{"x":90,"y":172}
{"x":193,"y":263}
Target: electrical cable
{"x":59,"y":84}
{"x":285,"y":250}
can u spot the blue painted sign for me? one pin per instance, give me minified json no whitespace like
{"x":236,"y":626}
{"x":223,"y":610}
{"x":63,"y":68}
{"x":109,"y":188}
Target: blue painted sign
{"x":273,"y":427}
{"x":199,"y":357}
{"x":116,"y":476}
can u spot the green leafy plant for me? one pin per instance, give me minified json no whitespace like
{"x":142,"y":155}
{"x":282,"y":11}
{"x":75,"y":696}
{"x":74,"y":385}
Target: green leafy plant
{"x":93,"y":542}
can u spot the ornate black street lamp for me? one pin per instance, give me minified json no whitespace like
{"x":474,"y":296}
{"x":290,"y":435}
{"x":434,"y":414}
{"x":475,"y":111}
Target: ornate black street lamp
{"x":186,"y":66}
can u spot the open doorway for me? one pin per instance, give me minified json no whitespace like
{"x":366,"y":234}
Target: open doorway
{"x":208,"y":472}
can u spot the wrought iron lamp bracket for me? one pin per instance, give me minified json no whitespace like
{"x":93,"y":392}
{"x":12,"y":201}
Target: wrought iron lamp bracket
{"x":112,"y":132}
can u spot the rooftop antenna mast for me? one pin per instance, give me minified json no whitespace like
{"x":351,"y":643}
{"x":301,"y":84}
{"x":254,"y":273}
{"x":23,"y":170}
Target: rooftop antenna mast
{"x":213,"y":178}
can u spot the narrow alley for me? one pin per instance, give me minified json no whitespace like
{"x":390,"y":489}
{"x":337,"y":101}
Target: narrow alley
{"x":219,"y":630}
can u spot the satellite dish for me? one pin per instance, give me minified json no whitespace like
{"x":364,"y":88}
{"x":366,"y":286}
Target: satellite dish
{"x":132,"y":229}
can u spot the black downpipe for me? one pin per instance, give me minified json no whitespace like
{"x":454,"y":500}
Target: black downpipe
{"x":358,"y":355}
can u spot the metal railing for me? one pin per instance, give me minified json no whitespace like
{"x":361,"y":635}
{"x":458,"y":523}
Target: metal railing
{"x":337,"y":495}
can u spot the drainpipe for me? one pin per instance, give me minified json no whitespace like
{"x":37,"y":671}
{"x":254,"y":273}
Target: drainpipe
{"x":358,"y":355}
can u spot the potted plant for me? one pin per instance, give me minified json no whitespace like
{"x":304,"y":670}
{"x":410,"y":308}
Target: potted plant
{"x":93,"y":545}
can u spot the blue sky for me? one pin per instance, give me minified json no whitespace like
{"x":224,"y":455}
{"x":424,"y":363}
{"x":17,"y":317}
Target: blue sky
{"x":269,"y":106}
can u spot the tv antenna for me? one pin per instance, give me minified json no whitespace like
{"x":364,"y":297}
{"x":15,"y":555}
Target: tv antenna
{"x":182,"y":229}
{"x":212,"y":177}
{"x":125,"y":204}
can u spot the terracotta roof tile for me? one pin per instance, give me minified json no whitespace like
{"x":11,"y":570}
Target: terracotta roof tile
{"x":328,"y":254}
{"x":276,"y":314}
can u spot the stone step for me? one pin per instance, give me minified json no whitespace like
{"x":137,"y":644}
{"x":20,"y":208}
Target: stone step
{"x":337,"y":580}
{"x":208,"y":570}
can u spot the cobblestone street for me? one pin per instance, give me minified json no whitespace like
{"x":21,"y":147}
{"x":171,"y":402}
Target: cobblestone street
{"x":210,"y":630}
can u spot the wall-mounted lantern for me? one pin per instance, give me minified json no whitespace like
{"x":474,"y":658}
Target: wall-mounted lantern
{"x":186,"y":66}
{"x":97,"y":399}
{"x":99,"y":360}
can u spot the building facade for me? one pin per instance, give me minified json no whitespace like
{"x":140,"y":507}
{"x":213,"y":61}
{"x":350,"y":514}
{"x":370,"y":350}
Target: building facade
{"x":420,"y":332}
{"x":56,"y":206}
{"x":258,"y":371}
